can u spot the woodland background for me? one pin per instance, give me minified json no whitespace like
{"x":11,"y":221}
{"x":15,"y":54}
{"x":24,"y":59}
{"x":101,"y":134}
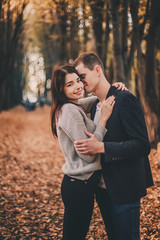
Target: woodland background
{"x":36,"y":37}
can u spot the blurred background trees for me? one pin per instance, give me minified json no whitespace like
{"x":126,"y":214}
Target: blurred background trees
{"x":11,"y":52}
{"x":36,"y":36}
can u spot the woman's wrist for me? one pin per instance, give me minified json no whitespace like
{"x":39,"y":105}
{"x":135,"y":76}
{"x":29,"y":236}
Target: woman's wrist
{"x":102,"y":122}
{"x":101,"y":148}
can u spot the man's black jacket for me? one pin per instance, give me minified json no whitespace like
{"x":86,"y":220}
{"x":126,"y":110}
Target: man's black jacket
{"x":125,"y":164}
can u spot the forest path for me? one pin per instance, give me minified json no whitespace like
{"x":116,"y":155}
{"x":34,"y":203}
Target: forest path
{"x":30,"y":163}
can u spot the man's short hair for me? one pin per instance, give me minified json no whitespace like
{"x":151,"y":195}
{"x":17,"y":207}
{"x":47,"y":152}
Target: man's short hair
{"x":89,"y":59}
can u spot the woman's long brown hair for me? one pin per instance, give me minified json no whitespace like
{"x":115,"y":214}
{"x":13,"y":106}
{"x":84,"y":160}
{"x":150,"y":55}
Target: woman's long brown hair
{"x":57,"y":93}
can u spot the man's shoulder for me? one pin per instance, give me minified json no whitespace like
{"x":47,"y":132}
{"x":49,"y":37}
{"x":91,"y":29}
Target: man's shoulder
{"x":123,"y":95}
{"x":119,"y":93}
{"x":126,"y":99}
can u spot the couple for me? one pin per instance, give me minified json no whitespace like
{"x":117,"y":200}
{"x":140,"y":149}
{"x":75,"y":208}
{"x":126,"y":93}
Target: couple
{"x":106,"y":155}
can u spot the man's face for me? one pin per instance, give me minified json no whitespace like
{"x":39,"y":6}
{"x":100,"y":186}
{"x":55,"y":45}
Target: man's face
{"x":89,"y":77}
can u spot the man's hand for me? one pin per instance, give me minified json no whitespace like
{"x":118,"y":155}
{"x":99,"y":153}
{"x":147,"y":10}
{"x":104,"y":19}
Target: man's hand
{"x":89,"y":146}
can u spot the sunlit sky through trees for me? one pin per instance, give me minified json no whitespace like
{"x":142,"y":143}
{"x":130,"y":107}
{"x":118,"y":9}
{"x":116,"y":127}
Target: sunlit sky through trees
{"x":36,"y":13}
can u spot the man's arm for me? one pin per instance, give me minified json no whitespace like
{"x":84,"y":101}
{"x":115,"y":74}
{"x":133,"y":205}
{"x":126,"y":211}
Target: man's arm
{"x":137,"y":145}
{"x":89,"y":146}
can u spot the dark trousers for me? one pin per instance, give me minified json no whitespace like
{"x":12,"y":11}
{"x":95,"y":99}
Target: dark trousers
{"x":121,"y":220}
{"x":78,"y":199}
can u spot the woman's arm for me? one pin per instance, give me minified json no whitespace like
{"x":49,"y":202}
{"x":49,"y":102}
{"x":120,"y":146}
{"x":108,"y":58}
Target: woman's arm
{"x":87,"y":103}
{"x":120,"y":86}
{"x":72,"y":123}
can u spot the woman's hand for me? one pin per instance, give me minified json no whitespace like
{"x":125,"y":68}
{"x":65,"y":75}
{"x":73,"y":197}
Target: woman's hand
{"x":120,"y":86}
{"x":107,"y":107}
{"x":106,"y":110}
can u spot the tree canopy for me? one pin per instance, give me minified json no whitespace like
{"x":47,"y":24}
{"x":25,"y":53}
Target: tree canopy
{"x":125,"y":34}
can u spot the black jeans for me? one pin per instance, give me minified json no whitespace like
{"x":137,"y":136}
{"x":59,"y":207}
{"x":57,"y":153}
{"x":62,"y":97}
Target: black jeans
{"x":121,"y":220}
{"x":78,"y":199}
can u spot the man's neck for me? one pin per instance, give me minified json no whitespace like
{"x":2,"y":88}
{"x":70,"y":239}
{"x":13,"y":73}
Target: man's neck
{"x":102,"y":89}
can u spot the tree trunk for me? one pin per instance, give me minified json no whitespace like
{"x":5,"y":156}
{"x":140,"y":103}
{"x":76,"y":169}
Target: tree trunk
{"x":106,"y":38}
{"x":74,"y":42}
{"x":8,"y":95}
{"x":150,"y":116}
{"x":151,"y":51}
{"x":85,"y":32}
{"x":124,"y":39}
{"x":118,"y":67}
{"x":62,"y":16}
{"x":97,"y":12}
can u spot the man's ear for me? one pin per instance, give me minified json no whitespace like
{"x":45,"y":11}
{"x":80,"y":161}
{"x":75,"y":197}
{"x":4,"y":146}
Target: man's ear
{"x":98,"y":70}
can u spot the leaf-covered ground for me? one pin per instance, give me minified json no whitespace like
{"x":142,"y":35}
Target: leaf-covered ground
{"x":30,"y":172}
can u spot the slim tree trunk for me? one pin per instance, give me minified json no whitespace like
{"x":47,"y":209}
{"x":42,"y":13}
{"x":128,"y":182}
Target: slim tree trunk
{"x":74,"y":42}
{"x":97,"y":12}
{"x":85,"y":32}
{"x":118,"y":67}
{"x":62,"y":16}
{"x":150,"y":116}
{"x":8,"y":97}
{"x":124,"y":39}
{"x":106,"y":37}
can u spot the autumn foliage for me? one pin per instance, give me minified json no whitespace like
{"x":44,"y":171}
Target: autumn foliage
{"x":30,"y":200}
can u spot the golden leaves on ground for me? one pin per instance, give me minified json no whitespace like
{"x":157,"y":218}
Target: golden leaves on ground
{"x":30,"y":162}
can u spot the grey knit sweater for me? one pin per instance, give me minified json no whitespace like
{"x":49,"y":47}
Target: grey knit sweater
{"x":71,"y":123}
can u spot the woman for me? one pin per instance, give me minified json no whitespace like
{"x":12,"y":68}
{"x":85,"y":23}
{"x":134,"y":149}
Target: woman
{"x":82,"y":172}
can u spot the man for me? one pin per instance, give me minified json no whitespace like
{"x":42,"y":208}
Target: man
{"x":124,"y":152}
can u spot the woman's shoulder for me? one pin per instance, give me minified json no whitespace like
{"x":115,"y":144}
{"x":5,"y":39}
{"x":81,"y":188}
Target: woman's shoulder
{"x":70,"y":107}
{"x":69,"y":111}
{"x":87,"y":100}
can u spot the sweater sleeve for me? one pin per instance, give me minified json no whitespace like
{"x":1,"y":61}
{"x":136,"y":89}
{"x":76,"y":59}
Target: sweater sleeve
{"x":72,"y":122}
{"x":87,"y":103}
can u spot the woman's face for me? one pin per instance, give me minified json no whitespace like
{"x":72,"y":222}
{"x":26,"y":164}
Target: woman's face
{"x":73,"y":88}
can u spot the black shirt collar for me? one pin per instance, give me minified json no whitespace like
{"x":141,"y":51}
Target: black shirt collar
{"x":112,"y":91}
